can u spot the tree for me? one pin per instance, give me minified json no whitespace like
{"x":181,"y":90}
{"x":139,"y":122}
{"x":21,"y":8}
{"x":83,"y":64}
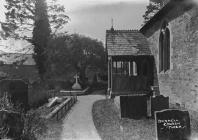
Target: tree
{"x":41,"y":34}
{"x":59,"y":57}
{"x":21,"y":15}
{"x":152,"y":9}
{"x":86,"y":52}
{"x":31,"y":20}
{"x":69,"y":54}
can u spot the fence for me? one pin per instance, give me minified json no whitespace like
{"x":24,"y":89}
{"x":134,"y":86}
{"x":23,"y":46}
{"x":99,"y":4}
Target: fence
{"x":63,"y":108}
{"x":52,"y":93}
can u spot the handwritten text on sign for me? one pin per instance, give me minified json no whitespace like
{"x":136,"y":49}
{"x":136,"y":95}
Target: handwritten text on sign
{"x":173,"y":124}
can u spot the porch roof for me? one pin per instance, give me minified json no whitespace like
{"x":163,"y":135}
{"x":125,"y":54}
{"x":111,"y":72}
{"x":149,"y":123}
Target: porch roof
{"x":126,"y":42}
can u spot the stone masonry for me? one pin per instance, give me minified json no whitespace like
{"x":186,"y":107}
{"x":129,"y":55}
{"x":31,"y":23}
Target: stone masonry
{"x":180,"y":83}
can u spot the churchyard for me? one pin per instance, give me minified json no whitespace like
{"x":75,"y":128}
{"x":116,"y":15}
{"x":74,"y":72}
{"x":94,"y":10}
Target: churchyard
{"x":140,"y":84}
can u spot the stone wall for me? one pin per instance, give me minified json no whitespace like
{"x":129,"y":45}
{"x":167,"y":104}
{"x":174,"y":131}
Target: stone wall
{"x":180,"y":83}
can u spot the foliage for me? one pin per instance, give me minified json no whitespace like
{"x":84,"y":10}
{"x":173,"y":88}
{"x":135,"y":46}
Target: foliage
{"x":21,"y":15}
{"x":87,"y":52}
{"x":67,"y":54}
{"x":151,"y":9}
{"x":32,"y":125}
{"x":41,"y":34}
{"x":33,"y":21}
{"x":5,"y":103}
{"x":58,"y":62}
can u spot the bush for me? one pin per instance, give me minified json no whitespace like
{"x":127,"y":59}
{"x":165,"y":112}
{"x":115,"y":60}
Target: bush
{"x":33,"y":126}
{"x":17,"y":124}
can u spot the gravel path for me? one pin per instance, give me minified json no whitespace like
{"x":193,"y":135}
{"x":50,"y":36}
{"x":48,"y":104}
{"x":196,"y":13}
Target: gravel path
{"x":78,"y":125}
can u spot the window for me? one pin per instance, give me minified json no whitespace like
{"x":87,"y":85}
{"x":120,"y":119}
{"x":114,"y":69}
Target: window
{"x":164,"y":48}
{"x":125,"y":68}
{"x":134,"y":69}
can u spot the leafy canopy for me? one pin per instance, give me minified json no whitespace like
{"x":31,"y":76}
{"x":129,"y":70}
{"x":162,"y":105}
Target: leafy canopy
{"x":151,"y":10}
{"x":21,"y":15}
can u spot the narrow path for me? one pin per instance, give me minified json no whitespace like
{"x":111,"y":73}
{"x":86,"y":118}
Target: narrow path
{"x":78,"y":125}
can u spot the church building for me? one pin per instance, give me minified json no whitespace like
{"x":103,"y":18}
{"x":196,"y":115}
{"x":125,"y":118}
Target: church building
{"x":173,"y":37}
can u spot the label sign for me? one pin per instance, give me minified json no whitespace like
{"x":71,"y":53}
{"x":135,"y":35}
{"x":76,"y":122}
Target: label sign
{"x":172,"y":125}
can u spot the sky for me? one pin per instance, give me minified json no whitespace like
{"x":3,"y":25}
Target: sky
{"x":93,"y":17}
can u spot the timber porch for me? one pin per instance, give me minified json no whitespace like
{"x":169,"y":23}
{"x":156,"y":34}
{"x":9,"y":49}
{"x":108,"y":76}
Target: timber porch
{"x":130,"y":71}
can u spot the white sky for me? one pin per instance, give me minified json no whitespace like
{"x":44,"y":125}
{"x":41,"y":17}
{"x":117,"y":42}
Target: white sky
{"x":75,"y":4}
{"x":93,"y":17}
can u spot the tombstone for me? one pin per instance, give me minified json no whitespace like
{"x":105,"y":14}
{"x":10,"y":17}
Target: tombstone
{"x":133,"y":107}
{"x":76,"y":84}
{"x":159,"y":103}
{"x":17,"y":91}
{"x":172,"y":124}
{"x":11,"y":124}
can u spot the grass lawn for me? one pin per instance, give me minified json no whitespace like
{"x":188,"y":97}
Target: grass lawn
{"x":111,"y":127}
{"x":54,"y":129}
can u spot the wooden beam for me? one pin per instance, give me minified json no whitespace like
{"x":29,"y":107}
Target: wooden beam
{"x":109,"y":74}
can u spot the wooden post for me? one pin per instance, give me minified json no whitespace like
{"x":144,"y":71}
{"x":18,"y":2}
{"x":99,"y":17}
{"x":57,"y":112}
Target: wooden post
{"x":109,"y":74}
{"x":62,"y":112}
{"x":149,"y":107}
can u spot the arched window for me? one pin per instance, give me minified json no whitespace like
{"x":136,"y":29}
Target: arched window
{"x":167,"y":50}
{"x":164,"y":48}
{"x":161,"y":48}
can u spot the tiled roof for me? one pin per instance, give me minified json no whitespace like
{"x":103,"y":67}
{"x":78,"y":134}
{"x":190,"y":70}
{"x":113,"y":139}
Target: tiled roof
{"x":126,"y":42}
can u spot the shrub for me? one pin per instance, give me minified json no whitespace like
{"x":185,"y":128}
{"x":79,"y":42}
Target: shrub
{"x":17,"y":124}
{"x":33,"y":125}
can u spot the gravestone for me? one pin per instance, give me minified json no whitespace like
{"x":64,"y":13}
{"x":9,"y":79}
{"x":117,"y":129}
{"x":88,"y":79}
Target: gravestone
{"x":159,"y":103}
{"x":133,"y":107}
{"x":172,"y":124}
{"x":76,"y":84}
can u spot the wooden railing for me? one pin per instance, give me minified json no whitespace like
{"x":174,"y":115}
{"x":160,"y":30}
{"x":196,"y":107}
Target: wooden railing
{"x":52,"y":93}
{"x":59,"y":93}
{"x":72,"y":92}
{"x":123,"y":84}
{"x":63,"y":108}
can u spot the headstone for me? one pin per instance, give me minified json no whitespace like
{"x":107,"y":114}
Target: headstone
{"x":159,"y":103}
{"x":133,"y":107}
{"x":172,"y":124}
{"x":76,"y":84}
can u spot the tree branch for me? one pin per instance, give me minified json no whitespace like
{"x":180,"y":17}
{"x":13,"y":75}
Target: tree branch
{"x":28,"y":8}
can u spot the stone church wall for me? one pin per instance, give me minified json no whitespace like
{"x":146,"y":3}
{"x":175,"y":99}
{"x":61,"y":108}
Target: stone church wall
{"x":180,"y":83}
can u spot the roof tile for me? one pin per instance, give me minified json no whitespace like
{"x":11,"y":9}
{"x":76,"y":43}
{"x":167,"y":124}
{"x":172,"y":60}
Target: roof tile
{"x":126,"y":42}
